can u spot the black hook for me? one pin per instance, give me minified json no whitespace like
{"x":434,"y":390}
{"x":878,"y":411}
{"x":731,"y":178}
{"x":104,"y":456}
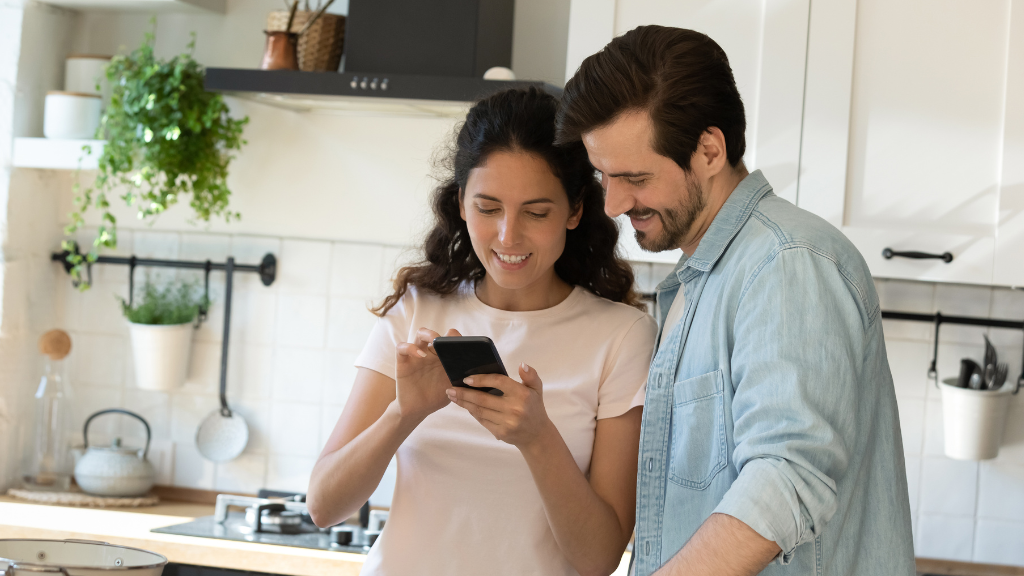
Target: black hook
{"x":1020,"y":379}
{"x":204,"y":306}
{"x":131,"y":280}
{"x":933,"y":371}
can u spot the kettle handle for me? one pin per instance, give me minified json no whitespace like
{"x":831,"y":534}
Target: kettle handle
{"x":149,"y":434}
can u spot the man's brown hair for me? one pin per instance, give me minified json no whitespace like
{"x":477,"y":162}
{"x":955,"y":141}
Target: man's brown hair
{"x":682,"y":78}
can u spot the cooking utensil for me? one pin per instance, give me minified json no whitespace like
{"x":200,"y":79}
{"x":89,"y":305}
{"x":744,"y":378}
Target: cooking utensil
{"x":115,"y":471}
{"x":291,"y":15}
{"x":968,"y":368}
{"x":1000,"y":376}
{"x":76,"y":558}
{"x":223,"y":434}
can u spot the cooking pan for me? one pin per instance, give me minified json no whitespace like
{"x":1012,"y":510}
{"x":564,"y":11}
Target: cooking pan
{"x":76,"y":558}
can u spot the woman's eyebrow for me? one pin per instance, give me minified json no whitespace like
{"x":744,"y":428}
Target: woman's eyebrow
{"x":534,"y":201}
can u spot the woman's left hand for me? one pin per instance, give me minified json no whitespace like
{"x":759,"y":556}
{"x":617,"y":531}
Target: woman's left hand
{"x":518,"y":417}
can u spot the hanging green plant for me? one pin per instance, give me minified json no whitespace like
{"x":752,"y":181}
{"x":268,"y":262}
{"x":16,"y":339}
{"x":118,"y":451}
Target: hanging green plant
{"x":167,"y":139}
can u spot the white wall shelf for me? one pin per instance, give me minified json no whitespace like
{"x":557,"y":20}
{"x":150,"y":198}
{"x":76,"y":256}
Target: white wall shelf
{"x":56,"y":154}
{"x":193,"y":6}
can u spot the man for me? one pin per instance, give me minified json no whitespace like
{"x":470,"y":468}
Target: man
{"x":770,"y":429}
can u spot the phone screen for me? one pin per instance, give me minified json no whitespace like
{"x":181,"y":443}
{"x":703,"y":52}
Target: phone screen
{"x":464,"y":356}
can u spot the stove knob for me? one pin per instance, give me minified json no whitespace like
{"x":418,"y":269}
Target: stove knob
{"x":343,"y":535}
{"x":371,"y":536}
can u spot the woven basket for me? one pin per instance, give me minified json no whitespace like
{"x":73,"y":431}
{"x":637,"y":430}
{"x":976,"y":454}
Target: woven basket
{"x":320,"y":47}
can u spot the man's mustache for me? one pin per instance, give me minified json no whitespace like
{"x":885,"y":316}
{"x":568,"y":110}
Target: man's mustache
{"x":641,"y":212}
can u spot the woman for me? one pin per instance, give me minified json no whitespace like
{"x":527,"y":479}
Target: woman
{"x":541,"y":480}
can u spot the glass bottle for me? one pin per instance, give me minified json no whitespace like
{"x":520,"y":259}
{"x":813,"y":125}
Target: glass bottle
{"x":51,"y":459}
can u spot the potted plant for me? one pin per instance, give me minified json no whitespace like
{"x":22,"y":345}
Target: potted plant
{"x":161,"y":326}
{"x":168,"y":139}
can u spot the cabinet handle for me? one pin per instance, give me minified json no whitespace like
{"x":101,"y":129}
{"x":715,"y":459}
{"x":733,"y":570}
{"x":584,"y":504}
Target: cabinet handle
{"x":889,"y":253}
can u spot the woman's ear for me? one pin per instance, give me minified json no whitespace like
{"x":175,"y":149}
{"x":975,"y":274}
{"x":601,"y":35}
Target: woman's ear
{"x":462,"y":207}
{"x":574,"y":218}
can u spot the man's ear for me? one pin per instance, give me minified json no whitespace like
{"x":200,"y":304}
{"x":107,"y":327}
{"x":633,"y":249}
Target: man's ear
{"x":711,"y":156}
{"x":462,"y":207}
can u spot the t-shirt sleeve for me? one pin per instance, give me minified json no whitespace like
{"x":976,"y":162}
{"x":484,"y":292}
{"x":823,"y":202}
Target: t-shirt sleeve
{"x":379,"y":352}
{"x":626,"y":373}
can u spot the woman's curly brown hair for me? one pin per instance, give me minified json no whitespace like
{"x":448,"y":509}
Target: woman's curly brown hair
{"x":518,"y":120}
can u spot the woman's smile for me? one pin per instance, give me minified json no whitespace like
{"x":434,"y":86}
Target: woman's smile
{"x":511,"y":261}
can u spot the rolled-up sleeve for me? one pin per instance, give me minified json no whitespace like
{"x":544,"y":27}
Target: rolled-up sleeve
{"x":799,"y":340}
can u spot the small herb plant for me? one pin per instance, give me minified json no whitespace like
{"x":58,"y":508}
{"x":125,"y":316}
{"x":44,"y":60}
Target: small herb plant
{"x":167,"y":139}
{"x":172,"y":304}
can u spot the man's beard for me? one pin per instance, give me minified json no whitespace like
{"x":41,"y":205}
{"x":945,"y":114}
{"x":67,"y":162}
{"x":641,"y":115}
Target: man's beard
{"x":676,"y":222}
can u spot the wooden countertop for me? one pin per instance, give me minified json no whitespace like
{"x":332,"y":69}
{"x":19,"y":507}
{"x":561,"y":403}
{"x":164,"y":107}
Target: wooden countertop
{"x":131,"y":527}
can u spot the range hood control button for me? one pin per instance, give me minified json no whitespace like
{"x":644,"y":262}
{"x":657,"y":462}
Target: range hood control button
{"x":384,"y":84}
{"x":354,"y":83}
{"x":363,"y":83}
{"x":373,"y":85}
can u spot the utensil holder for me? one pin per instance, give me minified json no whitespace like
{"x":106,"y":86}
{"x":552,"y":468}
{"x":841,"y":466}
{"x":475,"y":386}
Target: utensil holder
{"x":973,"y":420}
{"x":161,"y":354}
{"x":319,"y":49}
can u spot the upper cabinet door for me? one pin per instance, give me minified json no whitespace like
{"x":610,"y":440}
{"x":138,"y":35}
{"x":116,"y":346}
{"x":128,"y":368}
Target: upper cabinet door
{"x":904,"y":125}
{"x":767,"y":47}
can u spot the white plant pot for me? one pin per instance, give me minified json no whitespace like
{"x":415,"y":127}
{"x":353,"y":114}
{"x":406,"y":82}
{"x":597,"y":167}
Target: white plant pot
{"x":161,"y":354}
{"x":973,"y":420}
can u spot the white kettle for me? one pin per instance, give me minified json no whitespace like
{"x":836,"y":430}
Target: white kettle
{"x":115,"y":471}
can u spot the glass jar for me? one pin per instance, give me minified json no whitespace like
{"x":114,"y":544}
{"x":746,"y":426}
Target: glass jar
{"x":51,"y":458}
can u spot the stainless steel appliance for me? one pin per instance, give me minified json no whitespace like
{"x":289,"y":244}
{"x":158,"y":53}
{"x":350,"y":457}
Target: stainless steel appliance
{"x":276,"y":518}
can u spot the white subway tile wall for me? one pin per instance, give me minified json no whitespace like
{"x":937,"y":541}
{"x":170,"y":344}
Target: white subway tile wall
{"x":293,"y":345}
{"x":291,"y":354}
{"x":966,"y":511}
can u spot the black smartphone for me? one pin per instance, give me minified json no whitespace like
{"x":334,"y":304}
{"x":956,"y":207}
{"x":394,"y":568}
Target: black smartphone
{"x":464,"y":356}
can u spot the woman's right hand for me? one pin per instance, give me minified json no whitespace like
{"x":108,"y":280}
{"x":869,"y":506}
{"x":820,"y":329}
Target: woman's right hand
{"x":421,"y":380}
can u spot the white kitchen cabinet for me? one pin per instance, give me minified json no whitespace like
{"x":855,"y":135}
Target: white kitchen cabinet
{"x":766,"y":44}
{"x":1009,"y":261}
{"x":905,"y":114}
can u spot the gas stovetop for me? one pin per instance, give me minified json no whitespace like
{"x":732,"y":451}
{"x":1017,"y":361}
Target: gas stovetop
{"x":280,"y":519}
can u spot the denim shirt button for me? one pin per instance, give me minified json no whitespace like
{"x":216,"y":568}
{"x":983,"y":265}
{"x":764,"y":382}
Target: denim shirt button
{"x":647,"y":547}
{"x":650,"y":464}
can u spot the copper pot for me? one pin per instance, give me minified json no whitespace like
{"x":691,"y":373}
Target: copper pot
{"x":279,"y":53}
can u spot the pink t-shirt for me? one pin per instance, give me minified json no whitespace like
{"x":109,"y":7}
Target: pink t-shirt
{"x":465,"y":504}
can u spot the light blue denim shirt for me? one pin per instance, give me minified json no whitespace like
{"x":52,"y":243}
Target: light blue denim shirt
{"x":772,"y":401}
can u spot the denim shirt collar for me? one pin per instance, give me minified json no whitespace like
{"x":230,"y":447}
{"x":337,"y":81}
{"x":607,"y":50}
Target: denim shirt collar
{"x":727,"y":223}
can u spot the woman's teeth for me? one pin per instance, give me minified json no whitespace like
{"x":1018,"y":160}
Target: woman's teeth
{"x":509,"y":259}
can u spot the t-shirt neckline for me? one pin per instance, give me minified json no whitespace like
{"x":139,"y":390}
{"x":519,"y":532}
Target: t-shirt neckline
{"x":468,"y":289}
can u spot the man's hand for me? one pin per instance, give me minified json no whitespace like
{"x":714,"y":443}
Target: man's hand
{"x":723,"y":546}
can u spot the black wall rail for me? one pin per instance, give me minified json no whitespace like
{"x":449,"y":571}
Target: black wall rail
{"x":938,"y":319}
{"x":267,"y":269}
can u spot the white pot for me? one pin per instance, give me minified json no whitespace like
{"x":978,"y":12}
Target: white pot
{"x":71,"y":115}
{"x":83,"y":72}
{"x":77,"y":558}
{"x":973,"y":420}
{"x":161,"y":354}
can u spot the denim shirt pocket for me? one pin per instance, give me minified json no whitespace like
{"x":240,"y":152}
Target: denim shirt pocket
{"x":698,"y":451}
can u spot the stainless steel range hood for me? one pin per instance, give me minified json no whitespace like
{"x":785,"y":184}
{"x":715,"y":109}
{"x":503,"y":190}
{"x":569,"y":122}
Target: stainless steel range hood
{"x":400,"y":55}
